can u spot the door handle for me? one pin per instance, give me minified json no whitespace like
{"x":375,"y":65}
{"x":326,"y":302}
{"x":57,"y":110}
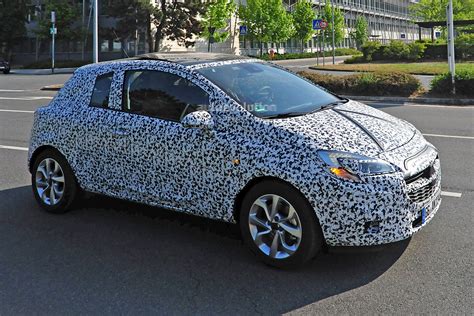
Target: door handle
{"x":121,"y":131}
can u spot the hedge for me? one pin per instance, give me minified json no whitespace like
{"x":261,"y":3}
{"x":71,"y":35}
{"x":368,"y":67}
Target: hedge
{"x":46,"y":64}
{"x":399,"y":51}
{"x":464,"y":81}
{"x":376,"y":84}
{"x":328,"y":53}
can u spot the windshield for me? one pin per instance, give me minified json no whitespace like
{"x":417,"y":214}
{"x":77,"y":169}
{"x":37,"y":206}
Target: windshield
{"x":268,"y":91}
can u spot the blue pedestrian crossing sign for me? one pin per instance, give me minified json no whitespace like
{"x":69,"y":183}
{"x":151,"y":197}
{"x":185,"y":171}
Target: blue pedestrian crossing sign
{"x":243,"y":30}
{"x":319,"y":24}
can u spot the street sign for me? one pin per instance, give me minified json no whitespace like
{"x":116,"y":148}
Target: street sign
{"x":403,"y":35}
{"x":53,"y":30}
{"x":319,"y":24}
{"x":53,"y":17}
{"x":243,"y":30}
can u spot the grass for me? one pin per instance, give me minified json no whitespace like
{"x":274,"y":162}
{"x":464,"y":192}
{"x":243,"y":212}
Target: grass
{"x":420,"y":68}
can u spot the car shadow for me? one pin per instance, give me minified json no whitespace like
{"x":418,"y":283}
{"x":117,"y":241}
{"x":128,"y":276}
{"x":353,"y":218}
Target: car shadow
{"x":119,"y":257}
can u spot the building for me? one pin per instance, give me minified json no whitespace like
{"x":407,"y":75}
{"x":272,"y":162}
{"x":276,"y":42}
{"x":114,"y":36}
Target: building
{"x":387,"y":20}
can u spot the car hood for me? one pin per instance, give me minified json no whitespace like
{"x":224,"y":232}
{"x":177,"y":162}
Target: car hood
{"x":353,"y":127}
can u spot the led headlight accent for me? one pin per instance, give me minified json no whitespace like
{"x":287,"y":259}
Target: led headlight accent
{"x":354,"y":164}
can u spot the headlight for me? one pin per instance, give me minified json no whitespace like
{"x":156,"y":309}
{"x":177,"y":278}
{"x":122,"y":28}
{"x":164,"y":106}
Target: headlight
{"x":352,"y":166}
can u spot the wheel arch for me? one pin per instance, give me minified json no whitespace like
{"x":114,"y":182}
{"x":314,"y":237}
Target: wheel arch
{"x":38,"y":151}
{"x":254,"y":181}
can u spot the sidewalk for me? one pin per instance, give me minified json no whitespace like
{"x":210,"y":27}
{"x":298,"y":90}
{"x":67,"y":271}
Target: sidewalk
{"x":42,"y":71}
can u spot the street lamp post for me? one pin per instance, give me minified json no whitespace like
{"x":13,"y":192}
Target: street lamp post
{"x":95,"y":33}
{"x":333,"y":35}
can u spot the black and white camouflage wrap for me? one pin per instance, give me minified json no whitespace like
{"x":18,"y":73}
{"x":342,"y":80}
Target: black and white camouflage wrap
{"x":165,"y":164}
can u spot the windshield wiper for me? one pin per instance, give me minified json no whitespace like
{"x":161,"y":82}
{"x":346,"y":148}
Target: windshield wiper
{"x":284,"y":115}
{"x":330,"y":105}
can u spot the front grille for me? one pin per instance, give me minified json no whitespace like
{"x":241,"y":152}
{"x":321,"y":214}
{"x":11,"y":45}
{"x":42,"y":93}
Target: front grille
{"x":423,"y":193}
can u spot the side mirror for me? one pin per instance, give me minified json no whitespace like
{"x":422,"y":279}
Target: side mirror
{"x":198,"y":119}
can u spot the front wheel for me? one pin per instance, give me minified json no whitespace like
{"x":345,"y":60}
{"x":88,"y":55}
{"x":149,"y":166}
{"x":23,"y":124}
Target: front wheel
{"x":279,"y":225}
{"x":53,"y":182}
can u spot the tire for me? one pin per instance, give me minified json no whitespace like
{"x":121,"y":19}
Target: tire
{"x":302,"y":249}
{"x":6,"y":71}
{"x":64,"y":193}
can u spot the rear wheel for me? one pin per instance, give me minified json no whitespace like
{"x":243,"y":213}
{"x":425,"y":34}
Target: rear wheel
{"x":53,"y":182}
{"x":279,"y":225}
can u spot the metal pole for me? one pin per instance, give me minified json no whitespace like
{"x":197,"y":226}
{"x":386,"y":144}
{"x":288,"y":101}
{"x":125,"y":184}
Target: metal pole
{"x":53,"y":34}
{"x":83,"y":27}
{"x":333,"y":35}
{"x":451,"y":57}
{"x":95,"y":33}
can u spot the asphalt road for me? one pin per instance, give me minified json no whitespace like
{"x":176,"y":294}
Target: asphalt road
{"x":109,"y":256}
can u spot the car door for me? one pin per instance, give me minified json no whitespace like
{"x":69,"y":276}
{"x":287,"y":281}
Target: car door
{"x":97,"y":125}
{"x":163,"y":160}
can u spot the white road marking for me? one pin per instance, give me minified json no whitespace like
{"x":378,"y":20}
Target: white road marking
{"x":14,"y":148}
{"x":16,"y":111}
{"x":449,"y":136}
{"x":451,"y":194}
{"x":26,"y":98}
{"x":6,"y":90}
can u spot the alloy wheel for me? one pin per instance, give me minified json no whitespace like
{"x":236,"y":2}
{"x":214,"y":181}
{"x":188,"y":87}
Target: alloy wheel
{"x":275,"y":226}
{"x":49,"y":180}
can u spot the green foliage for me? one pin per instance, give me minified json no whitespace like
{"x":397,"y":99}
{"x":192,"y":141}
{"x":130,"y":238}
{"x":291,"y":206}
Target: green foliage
{"x":377,"y":83}
{"x":303,"y":16}
{"x":218,"y":15}
{"x":369,"y":49}
{"x":67,"y":12}
{"x":416,"y":50}
{"x":338,"y":51}
{"x":339,"y":25}
{"x":464,"y":44}
{"x":282,"y":27}
{"x":464,"y":81}
{"x":435,"y":10}
{"x":131,"y":15}
{"x":266,"y":21}
{"x":355,"y":60}
{"x":360,"y":34}
{"x":396,"y":50}
{"x":12,"y":24}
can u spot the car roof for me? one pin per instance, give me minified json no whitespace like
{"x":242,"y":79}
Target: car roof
{"x":189,"y":59}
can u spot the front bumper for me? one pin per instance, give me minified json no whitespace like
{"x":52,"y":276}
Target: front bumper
{"x":381,"y":210}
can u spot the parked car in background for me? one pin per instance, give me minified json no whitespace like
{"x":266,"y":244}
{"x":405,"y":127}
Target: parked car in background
{"x":4,"y":66}
{"x":238,"y":140}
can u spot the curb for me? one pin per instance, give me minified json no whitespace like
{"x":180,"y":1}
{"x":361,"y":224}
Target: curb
{"x":439,"y":101}
{"x":53,"y":87}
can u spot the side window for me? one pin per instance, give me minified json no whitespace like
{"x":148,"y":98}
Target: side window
{"x":162,"y":95}
{"x":100,"y":95}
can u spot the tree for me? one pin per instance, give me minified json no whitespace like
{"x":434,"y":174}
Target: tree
{"x":360,"y":33}
{"x":133,"y":17}
{"x":435,"y":10}
{"x":13,"y":15}
{"x":67,"y":12}
{"x":266,"y":21}
{"x":339,"y":25}
{"x":218,"y":14}
{"x":177,"y":21}
{"x":303,"y":16}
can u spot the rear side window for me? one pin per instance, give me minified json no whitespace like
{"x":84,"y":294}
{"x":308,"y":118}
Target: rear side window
{"x":162,"y":95}
{"x":100,"y":95}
